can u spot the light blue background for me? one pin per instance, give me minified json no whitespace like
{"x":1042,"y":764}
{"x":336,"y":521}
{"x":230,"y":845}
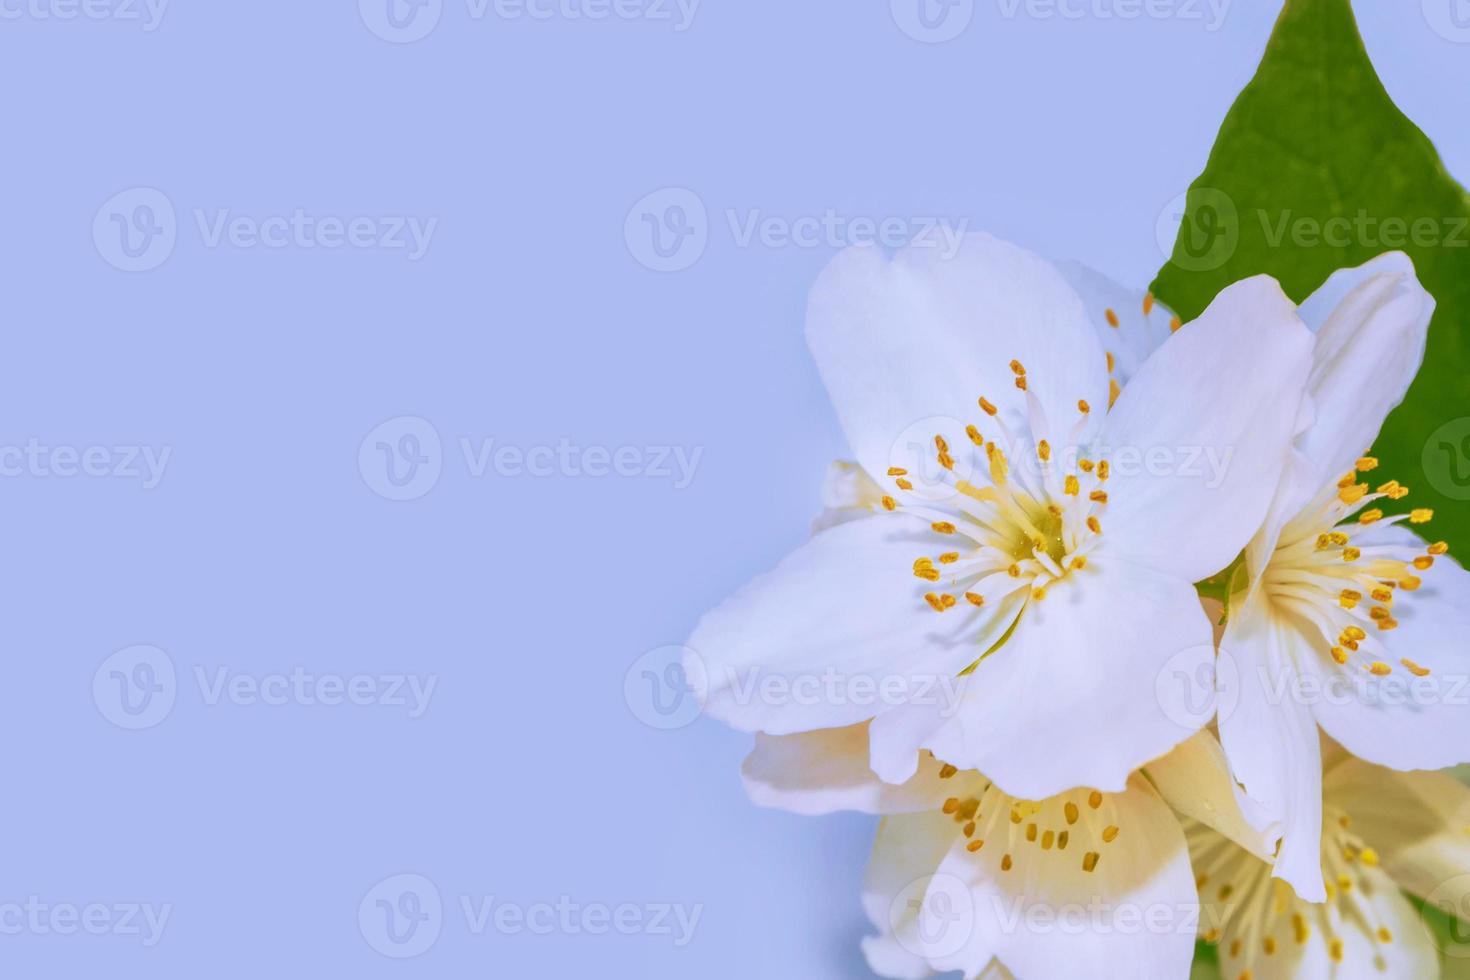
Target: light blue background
{"x":528,"y":320}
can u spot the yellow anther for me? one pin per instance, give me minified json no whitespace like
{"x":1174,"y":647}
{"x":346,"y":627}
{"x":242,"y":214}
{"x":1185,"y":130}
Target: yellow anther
{"x":1353,"y":494}
{"x":950,"y":805}
{"x":975,"y":599}
{"x":1348,"y":479}
{"x":943,"y":527}
{"x":1174,"y":324}
{"x":946,"y":600}
{"x":1071,"y":811}
{"x":1355,"y":633}
{"x":1388,"y":624}
{"x":1370,"y":516}
{"x":1112,"y":318}
{"x":1380,"y":612}
{"x":974,"y":435}
{"x":946,"y":460}
{"x":1085,"y":465}
{"x":1038,"y":593}
{"x":1114,"y":390}
{"x":1043,"y":450}
{"x":1109,"y":834}
{"x":987,"y":407}
{"x":1083,"y":407}
{"x":1424,"y":562}
{"x":1098,"y":496}
{"x":1112,"y":362}
{"x":1080,"y":562}
{"x":1439,"y":548}
{"x":1334,"y":949}
{"x":934,"y":601}
{"x":1018,"y":368}
{"x":1226,"y":891}
{"x":1384,"y":936}
{"x":1005,"y":863}
{"x":1344,"y":883}
{"x":1421,"y":515}
{"x":1338,"y":538}
{"x":947,"y":771}
{"x":1410,"y":583}
{"x":1148,"y":303}
{"x":1094,"y":799}
{"x":1021,"y":382}
{"x":1370,"y":857}
{"x":1031,"y":833}
{"x":1382,"y":594}
{"x":1104,"y":470}
{"x":1089,"y":861}
{"x":949,"y":557}
{"x":1014,"y":571}
{"x":1366,"y":463}
{"x":1351,"y":554}
{"x":1094,"y":525}
{"x":889,"y":503}
{"x":1380,"y":669}
{"x":1340,"y":655}
{"x":1269,"y":945}
{"x":1048,"y":839}
{"x":1350,"y":598}
{"x":1071,"y":486}
{"x":903,"y":484}
{"x":1301,"y":928}
{"x":974,"y":846}
{"x":897,"y":471}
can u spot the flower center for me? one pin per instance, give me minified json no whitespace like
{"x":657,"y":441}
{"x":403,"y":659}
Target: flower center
{"x":1332,"y":572}
{"x":1010,"y":528}
{"x":989,"y":818}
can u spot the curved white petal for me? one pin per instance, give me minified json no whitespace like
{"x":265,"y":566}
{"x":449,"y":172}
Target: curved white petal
{"x":825,"y":771}
{"x":1079,"y":693}
{"x":1078,"y":883}
{"x":1371,"y":324}
{"x":848,"y":494}
{"x":1405,"y":721}
{"x":1130,"y":322}
{"x":1195,"y":780}
{"x":1200,"y":437}
{"x":926,"y":334}
{"x":906,"y":851}
{"x":1271,"y":740}
{"x":831,"y":636}
{"x":1417,"y":822}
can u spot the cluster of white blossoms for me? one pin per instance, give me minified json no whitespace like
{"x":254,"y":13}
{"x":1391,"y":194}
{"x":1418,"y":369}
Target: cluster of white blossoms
{"x":1066,"y":509}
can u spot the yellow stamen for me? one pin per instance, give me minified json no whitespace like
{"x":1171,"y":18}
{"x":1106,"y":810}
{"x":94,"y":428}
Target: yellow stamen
{"x":1421,"y":515}
{"x":1071,"y":486}
{"x":1083,"y":407}
{"x":1112,"y":318}
{"x":987,"y":407}
{"x":1366,"y":463}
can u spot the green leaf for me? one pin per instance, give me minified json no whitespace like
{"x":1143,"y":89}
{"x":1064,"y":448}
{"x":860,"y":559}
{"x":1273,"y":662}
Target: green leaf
{"x":1313,"y":139}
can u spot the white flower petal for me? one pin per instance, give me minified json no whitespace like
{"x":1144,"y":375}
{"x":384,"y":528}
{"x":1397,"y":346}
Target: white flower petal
{"x":926,"y":334}
{"x":834,"y":632}
{"x":907,"y":849}
{"x":1201,"y":435}
{"x":825,"y":771}
{"x":1043,"y":913}
{"x":1271,"y":740}
{"x":848,"y":494}
{"x":1418,"y":822}
{"x":1073,"y":697}
{"x":1403,"y":721}
{"x":1371,"y":324}
{"x":1195,"y":780}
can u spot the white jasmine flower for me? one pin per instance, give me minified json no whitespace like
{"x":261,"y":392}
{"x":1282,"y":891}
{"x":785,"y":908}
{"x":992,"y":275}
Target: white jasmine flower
{"x":1036,"y":538}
